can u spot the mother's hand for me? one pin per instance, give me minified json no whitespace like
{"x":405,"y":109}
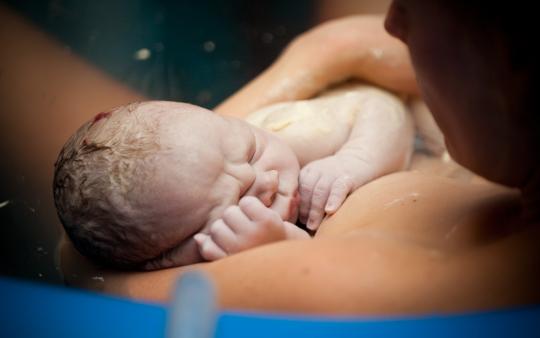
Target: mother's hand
{"x":351,"y":47}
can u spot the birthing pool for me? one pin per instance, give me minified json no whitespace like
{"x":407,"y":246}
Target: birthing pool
{"x":33,"y":310}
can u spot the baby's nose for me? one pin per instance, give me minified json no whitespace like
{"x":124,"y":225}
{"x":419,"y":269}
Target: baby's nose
{"x":268,"y":187}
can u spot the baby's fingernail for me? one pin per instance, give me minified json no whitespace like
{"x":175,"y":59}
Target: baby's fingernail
{"x":311,"y":225}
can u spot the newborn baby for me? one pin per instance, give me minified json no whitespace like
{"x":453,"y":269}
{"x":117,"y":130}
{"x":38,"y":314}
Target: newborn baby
{"x":160,"y":184}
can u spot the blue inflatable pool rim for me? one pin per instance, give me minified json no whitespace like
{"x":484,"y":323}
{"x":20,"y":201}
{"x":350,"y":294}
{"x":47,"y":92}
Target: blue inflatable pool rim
{"x":34,"y":310}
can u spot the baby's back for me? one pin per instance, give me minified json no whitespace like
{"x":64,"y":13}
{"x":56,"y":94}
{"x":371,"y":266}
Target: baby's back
{"x":318,"y":127}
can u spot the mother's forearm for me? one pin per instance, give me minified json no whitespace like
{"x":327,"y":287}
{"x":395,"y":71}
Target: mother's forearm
{"x":352,"y":47}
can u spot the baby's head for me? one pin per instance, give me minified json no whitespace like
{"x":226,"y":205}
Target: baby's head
{"x":134,"y":185}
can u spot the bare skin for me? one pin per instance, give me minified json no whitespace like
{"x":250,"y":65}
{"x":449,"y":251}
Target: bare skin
{"x":240,"y":185}
{"x":238,"y":190}
{"x":416,"y":250}
{"x":344,"y":138}
{"x":408,"y":242}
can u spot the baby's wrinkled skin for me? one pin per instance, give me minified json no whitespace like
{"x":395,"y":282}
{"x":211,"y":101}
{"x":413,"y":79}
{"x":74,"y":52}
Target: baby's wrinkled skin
{"x":343,"y":139}
{"x":159,"y":184}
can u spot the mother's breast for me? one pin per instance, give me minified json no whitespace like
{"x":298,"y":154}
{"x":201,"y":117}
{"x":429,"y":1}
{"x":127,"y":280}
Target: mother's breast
{"x":428,"y":210}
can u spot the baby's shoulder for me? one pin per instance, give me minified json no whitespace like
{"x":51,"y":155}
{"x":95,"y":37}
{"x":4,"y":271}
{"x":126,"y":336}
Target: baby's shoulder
{"x":312,"y":128}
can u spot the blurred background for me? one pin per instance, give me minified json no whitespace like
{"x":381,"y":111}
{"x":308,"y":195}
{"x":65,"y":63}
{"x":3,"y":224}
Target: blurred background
{"x":62,"y":61}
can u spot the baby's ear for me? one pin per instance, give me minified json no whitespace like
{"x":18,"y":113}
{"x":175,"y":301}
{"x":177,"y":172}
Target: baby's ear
{"x":185,"y":253}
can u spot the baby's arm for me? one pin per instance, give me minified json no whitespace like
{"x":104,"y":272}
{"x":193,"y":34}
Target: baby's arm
{"x":380,"y":142}
{"x":247,"y":225}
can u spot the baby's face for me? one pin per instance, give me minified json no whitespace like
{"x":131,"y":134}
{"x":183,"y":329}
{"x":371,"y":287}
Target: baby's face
{"x":263,"y":165}
{"x":219,"y":160}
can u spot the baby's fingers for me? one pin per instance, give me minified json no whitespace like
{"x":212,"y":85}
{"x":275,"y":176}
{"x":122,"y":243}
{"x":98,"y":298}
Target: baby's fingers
{"x":208,"y":248}
{"x":318,"y":201}
{"x":339,"y":191}
{"x":224,"y":237}
{"x":256,"y":211}
{"x":237,"y":221}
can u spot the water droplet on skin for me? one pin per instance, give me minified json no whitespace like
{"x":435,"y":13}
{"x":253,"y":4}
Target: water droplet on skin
{"x":377,"y":53}
{"x":412,"y":197}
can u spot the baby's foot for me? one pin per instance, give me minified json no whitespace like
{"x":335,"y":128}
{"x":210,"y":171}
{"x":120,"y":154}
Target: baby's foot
{"x":243,"y":226}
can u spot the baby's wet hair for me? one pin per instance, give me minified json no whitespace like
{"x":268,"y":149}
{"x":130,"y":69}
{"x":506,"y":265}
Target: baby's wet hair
{"x":99,"y":176}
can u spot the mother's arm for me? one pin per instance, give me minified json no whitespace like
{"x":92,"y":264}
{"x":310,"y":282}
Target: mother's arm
{"x":323,"y":276}
{"x":352,"y":47}
{"x":355,"y":270}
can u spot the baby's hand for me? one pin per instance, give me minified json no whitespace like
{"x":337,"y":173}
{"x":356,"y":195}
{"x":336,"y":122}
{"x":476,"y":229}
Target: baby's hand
{"x":324,"y":185}
{"x":243,"y":226}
